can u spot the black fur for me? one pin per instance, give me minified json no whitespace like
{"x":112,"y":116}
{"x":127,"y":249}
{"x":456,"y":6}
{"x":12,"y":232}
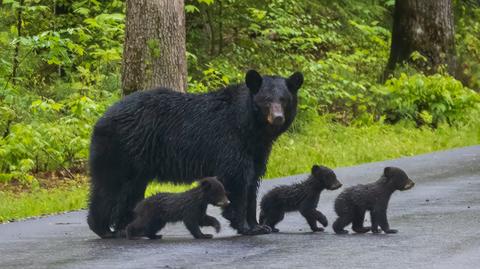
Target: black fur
{"x":302,"y":196}
{"x":170,"y":136}
{"x":353,"y":202}
{"x":153,"y":213}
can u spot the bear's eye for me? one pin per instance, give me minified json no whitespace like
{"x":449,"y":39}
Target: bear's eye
{"x":265,"y":100}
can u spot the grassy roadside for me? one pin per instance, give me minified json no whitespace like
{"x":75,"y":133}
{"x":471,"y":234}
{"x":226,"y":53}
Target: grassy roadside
{"x":337,"y":145}
{"x":40,"y":201}
{"x":319,"y":142}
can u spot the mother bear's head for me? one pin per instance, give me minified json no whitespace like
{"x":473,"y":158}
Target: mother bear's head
{"x":275,"y":98}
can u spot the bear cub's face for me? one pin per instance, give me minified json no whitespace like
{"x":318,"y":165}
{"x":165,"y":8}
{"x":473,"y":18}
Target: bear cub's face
{"x":214,"y":192}
{"x":397,"y":179}
{"x":274,"y":96}
{"x":326,"y":177}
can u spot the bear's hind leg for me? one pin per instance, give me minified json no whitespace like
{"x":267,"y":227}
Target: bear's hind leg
{"x":272,"y":219}
{"x":100,"y":209}
{"x":134,"y":230}
{"x":153,"y":228}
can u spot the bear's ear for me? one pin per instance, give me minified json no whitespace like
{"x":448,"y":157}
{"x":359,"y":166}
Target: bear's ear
{"x":205,"y":184}
{"x":388,"y":171}
{"x":316,"y":170}
{"x":253,"y":81}
{"x":294,"y":82}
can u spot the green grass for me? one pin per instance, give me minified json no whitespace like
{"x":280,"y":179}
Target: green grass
{"x":43,"y":202}
{"x":40,"y":202}
{"x":335,"y":145}
{"x":319,"y":141}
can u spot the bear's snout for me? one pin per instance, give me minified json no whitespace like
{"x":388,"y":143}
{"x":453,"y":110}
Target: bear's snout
{"x":275,"y":115}
{"x":409,"y":185}
{"x":336,"y":185}
{"x":224,"y":203}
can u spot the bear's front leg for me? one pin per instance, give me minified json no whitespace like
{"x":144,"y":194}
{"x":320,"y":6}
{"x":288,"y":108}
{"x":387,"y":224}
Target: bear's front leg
{"x":374,"y":221}
{"x":194,"y":228}
{"x":311,"y":217}
{"x":254,"y":227}
{"x":235,"y":212}
{"x":321,"y":218}
{"x":210,"y":221}
{"x":383,"y":222}
{"x":130,"y":194}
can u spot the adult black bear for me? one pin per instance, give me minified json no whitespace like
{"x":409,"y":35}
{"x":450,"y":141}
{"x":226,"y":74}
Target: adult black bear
{"x":301,"y":196}
{"x":352,"y":203}
{"x":152,"y":213}
{"x":169,"y":136}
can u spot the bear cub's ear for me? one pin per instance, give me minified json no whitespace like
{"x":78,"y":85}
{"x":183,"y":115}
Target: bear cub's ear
{"x":205,"y":184}
{"x":253,"y":81}
{"x":294,"y":82}
{"x":316,"y":170}
{"x":388,"y":172}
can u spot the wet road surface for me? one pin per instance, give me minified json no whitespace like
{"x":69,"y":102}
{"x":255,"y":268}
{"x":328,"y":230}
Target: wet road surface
{"x":438,"y":222}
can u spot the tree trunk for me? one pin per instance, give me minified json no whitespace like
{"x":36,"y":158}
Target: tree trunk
{"x":425,"y":26}
{"x":154,"y":49}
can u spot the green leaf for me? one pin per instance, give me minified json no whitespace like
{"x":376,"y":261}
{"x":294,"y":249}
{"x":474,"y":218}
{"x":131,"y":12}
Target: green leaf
{"x":208,"y":2}
{"x":191,"y":9}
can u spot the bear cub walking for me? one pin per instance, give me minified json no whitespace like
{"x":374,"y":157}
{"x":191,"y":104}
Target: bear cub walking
{"x":151,"y":214}
{"x":302,"y":196}
{"x":352,"y":203}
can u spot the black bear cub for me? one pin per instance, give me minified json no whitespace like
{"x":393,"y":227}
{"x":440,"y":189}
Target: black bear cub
{"x":152,"y":213}
{"x":352,"y":203}
{"x":301,"y":197}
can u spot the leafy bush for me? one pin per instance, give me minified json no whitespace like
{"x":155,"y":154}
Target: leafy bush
{"x":70,"y":57}
{"x":429,"y":100}
{"x":467,"y":44}
{"x":53,"y":135}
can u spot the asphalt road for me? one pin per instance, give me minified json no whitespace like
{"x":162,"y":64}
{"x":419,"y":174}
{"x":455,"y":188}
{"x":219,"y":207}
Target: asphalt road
{"x":438,"y":222}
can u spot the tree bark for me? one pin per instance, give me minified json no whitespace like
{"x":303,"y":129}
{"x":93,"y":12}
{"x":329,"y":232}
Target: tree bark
{"x":154,"y":50}
{"x":425,"y":26}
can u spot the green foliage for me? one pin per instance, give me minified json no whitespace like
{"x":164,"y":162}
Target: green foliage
{"x":61,"y":41}
{"x":467,"y":37}
{"x":69,"y":59}
{"x":336,"y":145}
{"x":427,"y":100}
{"x":46,"y":135}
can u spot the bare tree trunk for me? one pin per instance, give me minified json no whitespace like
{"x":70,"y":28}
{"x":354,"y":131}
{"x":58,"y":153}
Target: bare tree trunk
{"x":425,"y":26}
{"x":154,"y":49}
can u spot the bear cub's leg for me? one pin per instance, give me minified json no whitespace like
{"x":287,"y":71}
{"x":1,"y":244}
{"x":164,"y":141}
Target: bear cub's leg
{"x":140,"y":228}
{"x":357,"y":222}
{"x":312,"y":216}
{"x":379,"y":218}
{"x":193,"y":227}
{"x":271,"y":219}
{"x":342,"y":221}
{"x":210,"y":221}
